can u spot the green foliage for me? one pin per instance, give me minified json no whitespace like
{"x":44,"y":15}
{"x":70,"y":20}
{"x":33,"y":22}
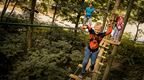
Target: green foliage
{"x":137,"y":12}
{"x":57,"y":48}
{"x":44,"y":5}
{"x":49,"y":57}
{"x":12,"y":45}
{"x":71,"y":9}
{"x":40,"y":65}
{"x":129,"y":60}
{"x":53,"y":50}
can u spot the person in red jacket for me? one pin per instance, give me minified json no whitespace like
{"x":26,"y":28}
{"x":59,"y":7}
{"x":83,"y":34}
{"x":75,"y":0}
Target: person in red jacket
{"x":91,"y":50}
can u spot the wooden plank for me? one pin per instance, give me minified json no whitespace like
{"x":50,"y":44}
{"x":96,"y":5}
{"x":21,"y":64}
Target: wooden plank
{"x":112,"y":42}
{"x":80,"y":65}
{"x":101,"y":43}
{"x":74,"y":76}
{"x":88,"y":78}
{"x":105,"y":52}
{"x":99,"y":59}
{"x":104,"y":47}
{"x":103,"y":57}
{"x":88,"y":65}
{"x":100,"y":63}
{"x":98,"y":72}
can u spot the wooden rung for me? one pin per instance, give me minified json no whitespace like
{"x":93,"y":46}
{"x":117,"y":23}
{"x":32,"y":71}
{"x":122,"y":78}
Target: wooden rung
{"x":104,"y":47}
{"x":74,"y":76}
{"x":87,"y":78}
{"x":112,"y":42}
{"x":101,"y":42}
{"x":80,"y":65}
{"x":108,"y":44}
{"x":115,"y":43}
{"x":101,"y":63}
{"x":105,"y":52}
{"x":103,"y":57}
{"x":98,"y":72}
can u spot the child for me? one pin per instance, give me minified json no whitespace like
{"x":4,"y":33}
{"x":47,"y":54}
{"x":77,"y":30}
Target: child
{"x":118,"y":27}
{"x":92,"y":49}
{"x":88,"y":14}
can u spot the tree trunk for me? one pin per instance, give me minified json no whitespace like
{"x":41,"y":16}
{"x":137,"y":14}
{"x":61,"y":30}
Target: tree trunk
{"x":107,"y":70}
{"x":33,"y":4}
{"x":143,"y":77}
{"x":106,"y":73}
{"x":126,"y":17}
{"x":54,"y":13}
{"x":77,"y":22}
{"x":106,"y":14}
{"x":29,"y":32}
{"x":117,"y":4}
{"x":5,"y":8}
{"x":79,"y":15}
{"x":13,"y":8}
{"x":136,"y":35}
{"x":48,"y":7}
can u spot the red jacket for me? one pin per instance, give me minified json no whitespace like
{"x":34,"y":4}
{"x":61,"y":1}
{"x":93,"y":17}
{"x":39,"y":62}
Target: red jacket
{"x":96,"y":38}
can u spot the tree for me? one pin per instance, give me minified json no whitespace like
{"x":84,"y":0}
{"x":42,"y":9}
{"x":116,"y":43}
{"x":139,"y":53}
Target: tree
{"x":68,"y":10}
{"x":57,"y":7}
{"x":107,"y":70}
{"x":138,"y":16}
{"x":78,"y":17}
{"x":55,"y":11}
{"x":44,"y":6}
{"x":5,"y":8}
{"x":106,"y":14}
{"x":13,"y":8}
{"x":29,"y":33}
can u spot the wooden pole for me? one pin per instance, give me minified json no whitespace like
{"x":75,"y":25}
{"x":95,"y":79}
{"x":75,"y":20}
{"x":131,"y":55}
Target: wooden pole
{"x":107,"y":70}
{"x":5,"y":8}
{"x":96,"y":67}
{"x":54,"y":13}
{"x":29,"y":31}
{"x":106,"y":14}
{"x":34,"y":25}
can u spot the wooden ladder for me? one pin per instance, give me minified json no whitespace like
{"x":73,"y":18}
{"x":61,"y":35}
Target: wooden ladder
{"x":104,"y":46}
{"x":99,"y":63}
